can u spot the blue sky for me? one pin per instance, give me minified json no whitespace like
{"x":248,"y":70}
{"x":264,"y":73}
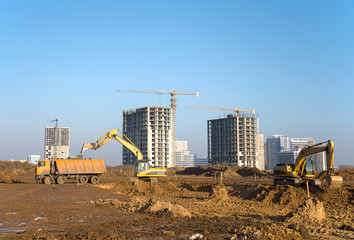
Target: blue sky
{"x":291,"y":61}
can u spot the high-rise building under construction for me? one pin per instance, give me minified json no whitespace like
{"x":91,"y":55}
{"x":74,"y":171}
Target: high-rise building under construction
{"x":57,"y":142}
{"x":150,"y":129}
{"x":234,"y":140}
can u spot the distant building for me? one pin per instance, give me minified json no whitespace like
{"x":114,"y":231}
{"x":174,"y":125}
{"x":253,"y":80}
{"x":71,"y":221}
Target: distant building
{"x":301,"y":142}
{"x":57,"y":142}
{"x":288,"y":157}
{"x":319,"y":161}
{"x":149,"y":128}
{"x":260,"y":151}
{"x":234,"y":140}
{"x":202,"y":161}
{"x":182,"y":156}
{"x":265,"y":155}
{"x":33,"y":159}
{"x":276,"y":144}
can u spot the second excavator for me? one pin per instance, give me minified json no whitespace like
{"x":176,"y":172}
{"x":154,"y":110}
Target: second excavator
{"x":302,"y":171}
{"x":142,"y":168}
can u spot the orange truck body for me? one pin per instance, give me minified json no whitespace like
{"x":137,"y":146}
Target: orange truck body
{"x":60,"y":170}
{"x":80,"y":166}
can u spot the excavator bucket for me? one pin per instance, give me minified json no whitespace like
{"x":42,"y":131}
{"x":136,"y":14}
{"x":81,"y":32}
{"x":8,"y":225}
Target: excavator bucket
{"x":86,"y":146}
{"x":334,"y":182}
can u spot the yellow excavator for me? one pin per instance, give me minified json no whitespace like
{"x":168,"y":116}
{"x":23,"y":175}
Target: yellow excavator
{"x":142,"y":168}
{"x":302,"y":171}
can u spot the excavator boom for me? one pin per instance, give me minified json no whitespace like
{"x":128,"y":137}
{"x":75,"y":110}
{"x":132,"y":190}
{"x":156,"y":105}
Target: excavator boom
{"x":142,"y":168}
{"x":109,"y":136}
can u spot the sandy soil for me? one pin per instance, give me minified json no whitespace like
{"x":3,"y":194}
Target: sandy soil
{"x":192,"y":203}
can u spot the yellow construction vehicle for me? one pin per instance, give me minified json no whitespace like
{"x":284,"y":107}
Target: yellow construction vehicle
{"x":142,"y":168}
{"x":302,"y":171}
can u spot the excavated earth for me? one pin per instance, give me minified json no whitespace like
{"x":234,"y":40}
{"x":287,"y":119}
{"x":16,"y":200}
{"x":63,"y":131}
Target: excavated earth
{"x":215,"y":202}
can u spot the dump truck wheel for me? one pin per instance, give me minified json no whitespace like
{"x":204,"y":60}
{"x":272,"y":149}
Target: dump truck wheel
{"x":94,"y":179}
{"x":60,"y":180}
{"x":47,"y":180}
{"x":83,"y":179}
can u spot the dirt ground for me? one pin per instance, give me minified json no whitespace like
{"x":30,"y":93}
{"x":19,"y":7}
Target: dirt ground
{"x":191,"y":203}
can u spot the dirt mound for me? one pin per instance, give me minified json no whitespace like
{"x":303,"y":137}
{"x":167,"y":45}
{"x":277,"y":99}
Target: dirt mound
{"x":311,"y":211}
{"x":7,"y":178}
{"x":173,"y":170}
{"x":250,"y":172}
{"x":274,"y":194}
{"x":127,"y":171}
{"x":346,"y":174}
{"x":142,"y":205}
{"x":160,"y":208}
{"x":228,"y":171}
{"x":219,"y":192}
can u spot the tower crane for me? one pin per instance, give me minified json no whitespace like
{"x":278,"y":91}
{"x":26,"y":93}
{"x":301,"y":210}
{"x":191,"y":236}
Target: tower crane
{"x":173,"y":94}
{"x":236,"y":110}
{"x":56,"y":122}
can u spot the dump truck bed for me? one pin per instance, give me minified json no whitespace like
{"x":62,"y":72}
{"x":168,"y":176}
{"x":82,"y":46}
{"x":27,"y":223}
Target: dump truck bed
{"x":80,"y":166}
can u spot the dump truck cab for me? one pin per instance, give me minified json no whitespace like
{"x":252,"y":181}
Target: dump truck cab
{"x":42,"y":169}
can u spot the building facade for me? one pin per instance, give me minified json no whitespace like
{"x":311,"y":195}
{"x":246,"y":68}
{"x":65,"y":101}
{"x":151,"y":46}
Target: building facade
{"x":260,"y":151}
{"x":182,"y":156}
{"x":301,"y":142}
{"x":149,"y":128}
{"x":201,"y":161}
{"x":33,"y":159}
{"x":276,"y":144}
{"x":288,"y":157}
{"x":234,"y":140}
{"x":57,"y":142}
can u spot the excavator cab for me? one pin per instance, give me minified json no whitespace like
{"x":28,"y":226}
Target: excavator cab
{"x":141,"y":166}
{"x":309,"y":168}
{"x":142,"y":170}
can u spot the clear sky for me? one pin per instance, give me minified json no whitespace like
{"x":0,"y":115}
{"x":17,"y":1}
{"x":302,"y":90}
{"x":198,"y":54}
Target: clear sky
{"x":291,"y":61}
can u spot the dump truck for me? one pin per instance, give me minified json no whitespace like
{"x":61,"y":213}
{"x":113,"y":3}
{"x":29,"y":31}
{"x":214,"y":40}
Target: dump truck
{"x":61,"y":170}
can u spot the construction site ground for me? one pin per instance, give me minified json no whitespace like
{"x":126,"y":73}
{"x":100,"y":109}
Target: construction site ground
{"x":216,"y":202}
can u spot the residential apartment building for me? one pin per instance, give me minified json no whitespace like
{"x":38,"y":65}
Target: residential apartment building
{"x":276,"y":144}
{"x":234,"y":140}
{"x":288,"y":157}
{"x":150,"y":129}
{"x":57,"y":142}
{"x":182,"y":156}
{"x":301,"y":142}
{"x":260,"y":151}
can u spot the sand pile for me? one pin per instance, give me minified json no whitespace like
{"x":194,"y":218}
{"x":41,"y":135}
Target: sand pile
{"x":311,"y":211}
{"x":141,"y":205}
{"x":228,"y":171}
{"x":278,"y":194}
{"x":219,"y":192}
{"x":160,"y":208}
{"x":7,"y":178}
